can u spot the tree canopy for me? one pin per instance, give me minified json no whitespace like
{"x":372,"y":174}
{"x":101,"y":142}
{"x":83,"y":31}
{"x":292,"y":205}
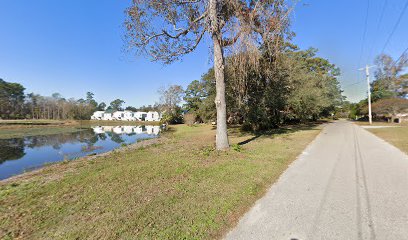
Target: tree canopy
{"x":299,"y":86}
{"x":116,"y":104}
{"x":11,"y":99}
{"x":166,"y":30}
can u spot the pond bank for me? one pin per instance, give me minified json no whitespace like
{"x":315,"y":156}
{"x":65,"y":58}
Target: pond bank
{"x":172,"y":188}
{"x":18,"y":155}
{"x":24,"y":128}
{"x":62,"y":167}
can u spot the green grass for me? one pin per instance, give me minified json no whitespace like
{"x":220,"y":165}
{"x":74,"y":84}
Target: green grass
{"x":32,"y":122}
{"x":178,"y":188}
{"x":26,"y":132}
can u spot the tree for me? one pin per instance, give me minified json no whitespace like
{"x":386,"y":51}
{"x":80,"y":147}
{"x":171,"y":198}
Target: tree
{"x":297,"y":86}
{"x":169,"y":29}
{"x":390,"y":107}
{"x":101,"y":106}
{"x":389,"y":79}
{"x":149,"y":107}
{"x":194,"y":95}
{"x":15,"y":104}
{"x":170,"y":98}
{"x":11,"y":99}
{"x":90,"y":100}
{"x":130,"y":108}
{"x":116,"y":104}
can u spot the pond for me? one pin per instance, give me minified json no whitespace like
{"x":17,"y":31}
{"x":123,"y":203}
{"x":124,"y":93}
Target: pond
{"x":18,"y":155}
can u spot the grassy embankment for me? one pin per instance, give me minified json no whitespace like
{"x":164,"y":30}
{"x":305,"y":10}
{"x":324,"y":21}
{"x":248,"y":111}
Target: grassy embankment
{"x":394,"y":133}
{"x":24,"y":128}
{"x":177,"y":188}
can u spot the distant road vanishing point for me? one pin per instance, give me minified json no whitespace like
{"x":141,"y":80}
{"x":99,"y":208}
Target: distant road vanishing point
{"x":348,"y":184}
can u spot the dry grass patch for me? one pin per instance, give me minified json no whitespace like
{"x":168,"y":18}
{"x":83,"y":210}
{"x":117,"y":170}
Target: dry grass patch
{"x":398,"y":135}
{"x":178,"y":188}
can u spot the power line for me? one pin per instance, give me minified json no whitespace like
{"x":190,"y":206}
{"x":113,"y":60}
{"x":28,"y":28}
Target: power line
{"x":400,"y":57}
{"x":352,"y":84}
{"x":395,"y":26}
{"x":364,"y":32}
{"x":378,"y":29}
{"x":403,"y":53}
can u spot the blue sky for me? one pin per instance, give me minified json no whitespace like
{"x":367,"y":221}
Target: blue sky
{"x":73,"y":46}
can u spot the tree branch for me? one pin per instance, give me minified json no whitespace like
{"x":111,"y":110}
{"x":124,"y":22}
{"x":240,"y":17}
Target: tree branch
{"x":229,"y":41}
{"x":188,"y":1}
{"x":169,"y":57}
{"x":182,"y":31}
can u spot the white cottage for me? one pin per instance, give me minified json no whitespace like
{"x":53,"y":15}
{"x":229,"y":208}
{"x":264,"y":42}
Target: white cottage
{"x":98,"y":115}
{"x":140,"y":116}
{"x":108,"y":115}
{"x":118,"y":115}
{"x":153,"y":116}
{"x":129,"y":116}
{"x":126,"y":116}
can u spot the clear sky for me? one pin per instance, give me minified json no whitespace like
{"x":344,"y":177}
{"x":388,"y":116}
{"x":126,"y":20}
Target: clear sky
{"x":75,"y":46}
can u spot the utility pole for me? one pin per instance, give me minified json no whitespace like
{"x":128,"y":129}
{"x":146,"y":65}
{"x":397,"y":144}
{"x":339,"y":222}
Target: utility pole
{"x":367,"y":70}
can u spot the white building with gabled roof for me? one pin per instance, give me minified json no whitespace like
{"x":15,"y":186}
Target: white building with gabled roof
{"x":150,"y":116}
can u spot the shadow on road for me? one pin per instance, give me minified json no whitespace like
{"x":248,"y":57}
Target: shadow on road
{"x":285,"y":129}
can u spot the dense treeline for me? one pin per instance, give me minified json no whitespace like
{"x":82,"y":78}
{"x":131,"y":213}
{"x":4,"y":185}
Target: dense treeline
{"x":15,"y":104}
{"x":389,"y":90}
{"x":295,"y":86}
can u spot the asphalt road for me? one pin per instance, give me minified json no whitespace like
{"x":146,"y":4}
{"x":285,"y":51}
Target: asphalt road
{"x":347,"y":184}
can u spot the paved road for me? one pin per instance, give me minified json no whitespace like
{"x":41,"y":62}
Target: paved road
{"x":348,"y":184}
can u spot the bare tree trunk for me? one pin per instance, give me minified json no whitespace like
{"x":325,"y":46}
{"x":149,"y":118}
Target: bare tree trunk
{"x":222,"y":136}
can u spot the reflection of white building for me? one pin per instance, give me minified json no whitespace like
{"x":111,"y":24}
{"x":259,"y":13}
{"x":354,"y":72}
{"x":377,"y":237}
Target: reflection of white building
{"x":119,"y":130}
{"x":155,"y":130}
{"x":152,"y":130}
{"x":108,"y":128}
{"x":128,"y":129}
{"x":98,"y":130}
{"x":138,"y":130}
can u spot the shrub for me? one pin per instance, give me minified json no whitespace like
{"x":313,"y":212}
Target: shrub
{"x":190,"y":118}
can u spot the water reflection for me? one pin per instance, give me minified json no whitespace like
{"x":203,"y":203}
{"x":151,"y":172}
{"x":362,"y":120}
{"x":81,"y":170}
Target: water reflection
{"x":127,"y":129}
{"x":20,"y":154}
{"x":11,"y":149}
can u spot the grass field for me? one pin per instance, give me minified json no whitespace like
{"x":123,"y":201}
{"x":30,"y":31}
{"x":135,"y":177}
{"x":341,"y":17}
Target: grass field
{"x":176,"y":188}
{"x":26,"y":132}
{"x":25,"y":128}
{"x":394,"y":133}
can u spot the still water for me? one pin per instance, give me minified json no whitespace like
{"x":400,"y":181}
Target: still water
{"x":18,"y":155}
